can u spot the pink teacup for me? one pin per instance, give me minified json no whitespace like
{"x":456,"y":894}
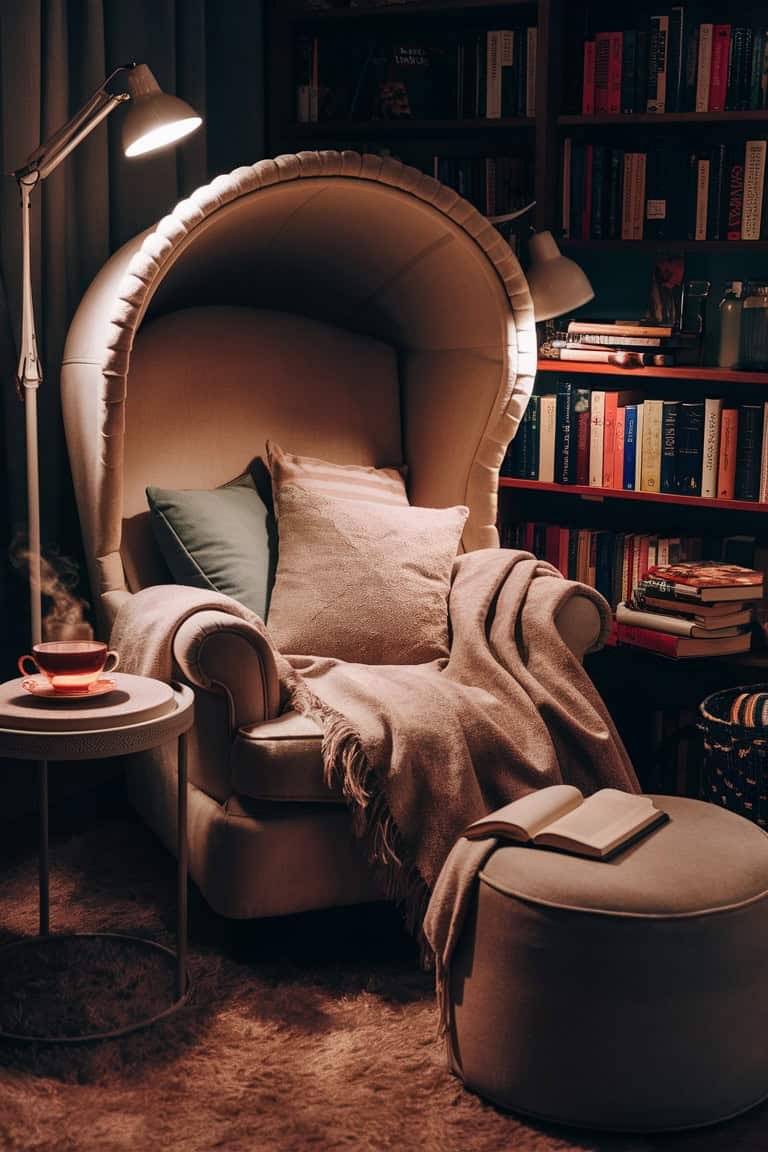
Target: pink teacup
{"x":70,"y":666}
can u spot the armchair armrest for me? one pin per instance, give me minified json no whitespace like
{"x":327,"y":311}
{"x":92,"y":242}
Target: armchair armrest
{"x":580,"y":625}
{"x":216,"y":651}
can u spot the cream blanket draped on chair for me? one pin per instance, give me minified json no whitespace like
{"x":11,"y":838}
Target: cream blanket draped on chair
{"x":421,"y":751}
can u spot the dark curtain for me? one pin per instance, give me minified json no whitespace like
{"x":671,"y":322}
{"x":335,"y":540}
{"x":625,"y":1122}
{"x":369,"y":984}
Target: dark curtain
{"x":53,"y":55}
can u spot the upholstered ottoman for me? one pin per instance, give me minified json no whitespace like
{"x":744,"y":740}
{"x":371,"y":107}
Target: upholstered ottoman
{"x":630,"y":994}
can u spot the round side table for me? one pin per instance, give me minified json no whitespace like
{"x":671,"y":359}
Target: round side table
{"x":140,"y":714}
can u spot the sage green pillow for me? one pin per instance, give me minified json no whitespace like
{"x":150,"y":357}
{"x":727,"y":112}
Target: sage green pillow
{"x":221,"y":539}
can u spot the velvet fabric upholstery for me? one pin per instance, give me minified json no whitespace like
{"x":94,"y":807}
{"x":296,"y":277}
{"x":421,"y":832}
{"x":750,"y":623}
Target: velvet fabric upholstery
{"x":627,"y":994}
{"x":346,"y":306}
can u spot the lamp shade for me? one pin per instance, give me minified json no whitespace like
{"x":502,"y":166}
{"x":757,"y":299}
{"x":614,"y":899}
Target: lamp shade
{"x":557,"y":284}
{"x":153,"y":118}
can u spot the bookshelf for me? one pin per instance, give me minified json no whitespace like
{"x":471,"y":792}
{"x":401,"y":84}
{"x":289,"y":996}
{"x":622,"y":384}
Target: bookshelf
{"x":619,"y":269}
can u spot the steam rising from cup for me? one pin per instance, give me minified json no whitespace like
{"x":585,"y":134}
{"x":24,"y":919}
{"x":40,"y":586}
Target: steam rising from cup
{"x":65,"y":619}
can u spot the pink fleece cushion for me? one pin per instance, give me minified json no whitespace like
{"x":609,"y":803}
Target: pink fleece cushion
{"x":362,"y":581}
{"x":342,"y":481}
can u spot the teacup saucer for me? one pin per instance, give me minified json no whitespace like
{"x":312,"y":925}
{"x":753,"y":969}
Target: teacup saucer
{"x":43,"y":690}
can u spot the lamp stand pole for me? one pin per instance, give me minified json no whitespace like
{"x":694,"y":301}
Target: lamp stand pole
{"x":30,"y":376}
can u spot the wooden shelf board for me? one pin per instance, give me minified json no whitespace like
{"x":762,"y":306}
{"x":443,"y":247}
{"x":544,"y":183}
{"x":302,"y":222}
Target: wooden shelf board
{"x":622,"y":494}
{"x":420,"y":7}
{"x":382,"y":129}
{"x":747,"y":116}
{"x":675,"y":245}
{"x":708,"y":374}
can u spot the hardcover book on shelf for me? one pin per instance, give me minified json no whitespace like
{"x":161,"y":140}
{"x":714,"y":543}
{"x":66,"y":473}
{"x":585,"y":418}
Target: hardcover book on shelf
{"x":561,"y":817}
{"x":680,"y":625}
{"x":705,"y":580}
{"x":681,"y":647}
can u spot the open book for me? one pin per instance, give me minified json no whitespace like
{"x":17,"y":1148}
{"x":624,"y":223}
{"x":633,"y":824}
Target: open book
{"x":560,"y":817}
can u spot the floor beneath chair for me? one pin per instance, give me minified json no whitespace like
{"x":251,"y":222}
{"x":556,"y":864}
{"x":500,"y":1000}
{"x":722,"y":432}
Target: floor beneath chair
{"x":315,"y":1032}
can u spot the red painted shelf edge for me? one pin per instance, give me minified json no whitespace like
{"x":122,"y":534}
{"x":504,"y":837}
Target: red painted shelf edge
{"x":692,"y":372}
{"x":624,"y":494}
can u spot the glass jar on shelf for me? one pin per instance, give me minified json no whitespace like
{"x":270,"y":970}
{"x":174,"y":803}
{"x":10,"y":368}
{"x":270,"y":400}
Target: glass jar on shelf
{"x":754,"y":327}
{"x":729,"y":343}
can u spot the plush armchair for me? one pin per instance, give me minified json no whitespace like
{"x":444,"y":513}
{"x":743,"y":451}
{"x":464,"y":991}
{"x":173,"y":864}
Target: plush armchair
{"x":349,"y":308}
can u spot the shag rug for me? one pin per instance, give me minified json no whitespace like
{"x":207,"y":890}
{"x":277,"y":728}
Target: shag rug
{"x":314,"y":1032}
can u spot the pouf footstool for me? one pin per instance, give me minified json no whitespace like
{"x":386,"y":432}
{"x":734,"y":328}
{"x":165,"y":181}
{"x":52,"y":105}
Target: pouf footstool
{"x":629,"y":994}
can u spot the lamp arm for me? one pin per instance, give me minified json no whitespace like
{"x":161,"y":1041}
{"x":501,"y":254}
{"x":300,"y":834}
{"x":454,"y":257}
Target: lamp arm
{"x":40,"y":164}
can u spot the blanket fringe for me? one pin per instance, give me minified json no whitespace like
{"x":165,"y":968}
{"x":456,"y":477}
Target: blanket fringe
{"x":345,"y":761}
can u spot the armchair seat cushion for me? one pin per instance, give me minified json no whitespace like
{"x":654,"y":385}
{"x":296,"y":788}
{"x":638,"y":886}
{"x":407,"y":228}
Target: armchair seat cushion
{"x":281,"y":760}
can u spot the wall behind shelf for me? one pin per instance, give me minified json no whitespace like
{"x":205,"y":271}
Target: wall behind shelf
{"x":622,"y":281}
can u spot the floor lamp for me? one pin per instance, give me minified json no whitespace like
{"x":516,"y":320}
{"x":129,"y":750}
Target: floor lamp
{"x":153,"y":120}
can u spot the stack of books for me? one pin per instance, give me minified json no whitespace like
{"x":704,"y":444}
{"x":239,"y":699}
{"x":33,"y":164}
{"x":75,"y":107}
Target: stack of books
{"x":691,"y":610}
{"x":627,"y":343}
{"x":624,"y":441}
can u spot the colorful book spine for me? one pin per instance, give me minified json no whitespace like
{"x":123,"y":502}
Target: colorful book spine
{"x":597,"y":420}
{"x":565,"y":447}
{"x":718,"y":77}
{"x":581,"y":404}
{"x":651,"y":459}
{"x":618,"y":450}
{"x":630,"y":447}
{"x":690,"y":448}
{"x":735,"y":195}
{"x":712,"y":415}
{"x":657,"y":65}
{"x":749,"y":451}
{"x":547,"y":424}
{"x":668,"y":471}
{"x":754,"y":183}
{"x":628,"y":71}
{"x":609,"y":437}
{"x":530,"y":72}
{"x":726,"y":463}
{"x":588,"y":85}
{"x":704,"y":68}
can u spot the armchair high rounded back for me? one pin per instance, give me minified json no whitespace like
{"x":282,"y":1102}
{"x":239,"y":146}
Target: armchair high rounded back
{"x":346,"y":306}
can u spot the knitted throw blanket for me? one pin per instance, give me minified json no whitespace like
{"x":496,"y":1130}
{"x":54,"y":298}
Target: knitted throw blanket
{"x":422,"y":751}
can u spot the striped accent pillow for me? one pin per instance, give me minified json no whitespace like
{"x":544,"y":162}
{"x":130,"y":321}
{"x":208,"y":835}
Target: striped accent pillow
{"x":336,"y":481}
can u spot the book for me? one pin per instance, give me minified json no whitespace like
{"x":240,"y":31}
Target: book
{"x":735,"y":195}
{"x":681,"y":625}
{"x":581,"y":415}
{"x":596,"y":439}
{"x":657,"y":64}
{"x":617,"y":480}
{"x":706,"y":580}
{"x":682,"y":647}
{"x":530,"y":72}
{"x":702,"y":198}
{"x":630,"y":447}
{"x":565,"y":442}
{"x":689,"y":448}
{"x":651,"y":446}
{"x":711,"y":447}
{"x":547,"y":419}
{"x":602,"y":57}
{"x":493,"y":75}
{"x":561,"y":817}
{"x":588,"y":83}
{"x":726,"y":463}
{"x":748,"y":452}
{"x":701,"y":613}
{"x":718,"y":78}
{"x":704,"y":67}
{"x":628,"y":71}
{"x":675,"y":58}
{"x":668,"y":471}
{"x":763,"y":486}
{"x":617,"y":328}
{"x":609,"y":437}
{"x":754,"y":183}
{"x":639,"y":445}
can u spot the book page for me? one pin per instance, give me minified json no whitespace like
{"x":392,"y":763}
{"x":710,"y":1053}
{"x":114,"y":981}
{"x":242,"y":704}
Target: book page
{"x":603,"y":819}
{"x":523,"y":818}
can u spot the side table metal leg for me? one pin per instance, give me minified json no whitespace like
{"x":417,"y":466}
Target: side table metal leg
{"x":182,"y":853}
{"x":43,"y":880}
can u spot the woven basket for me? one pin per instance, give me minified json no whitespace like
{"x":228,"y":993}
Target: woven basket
{"x":735,"y":769}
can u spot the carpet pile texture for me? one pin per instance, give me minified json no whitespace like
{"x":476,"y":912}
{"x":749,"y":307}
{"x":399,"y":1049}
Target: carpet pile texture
{"x":312,"y":1033}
